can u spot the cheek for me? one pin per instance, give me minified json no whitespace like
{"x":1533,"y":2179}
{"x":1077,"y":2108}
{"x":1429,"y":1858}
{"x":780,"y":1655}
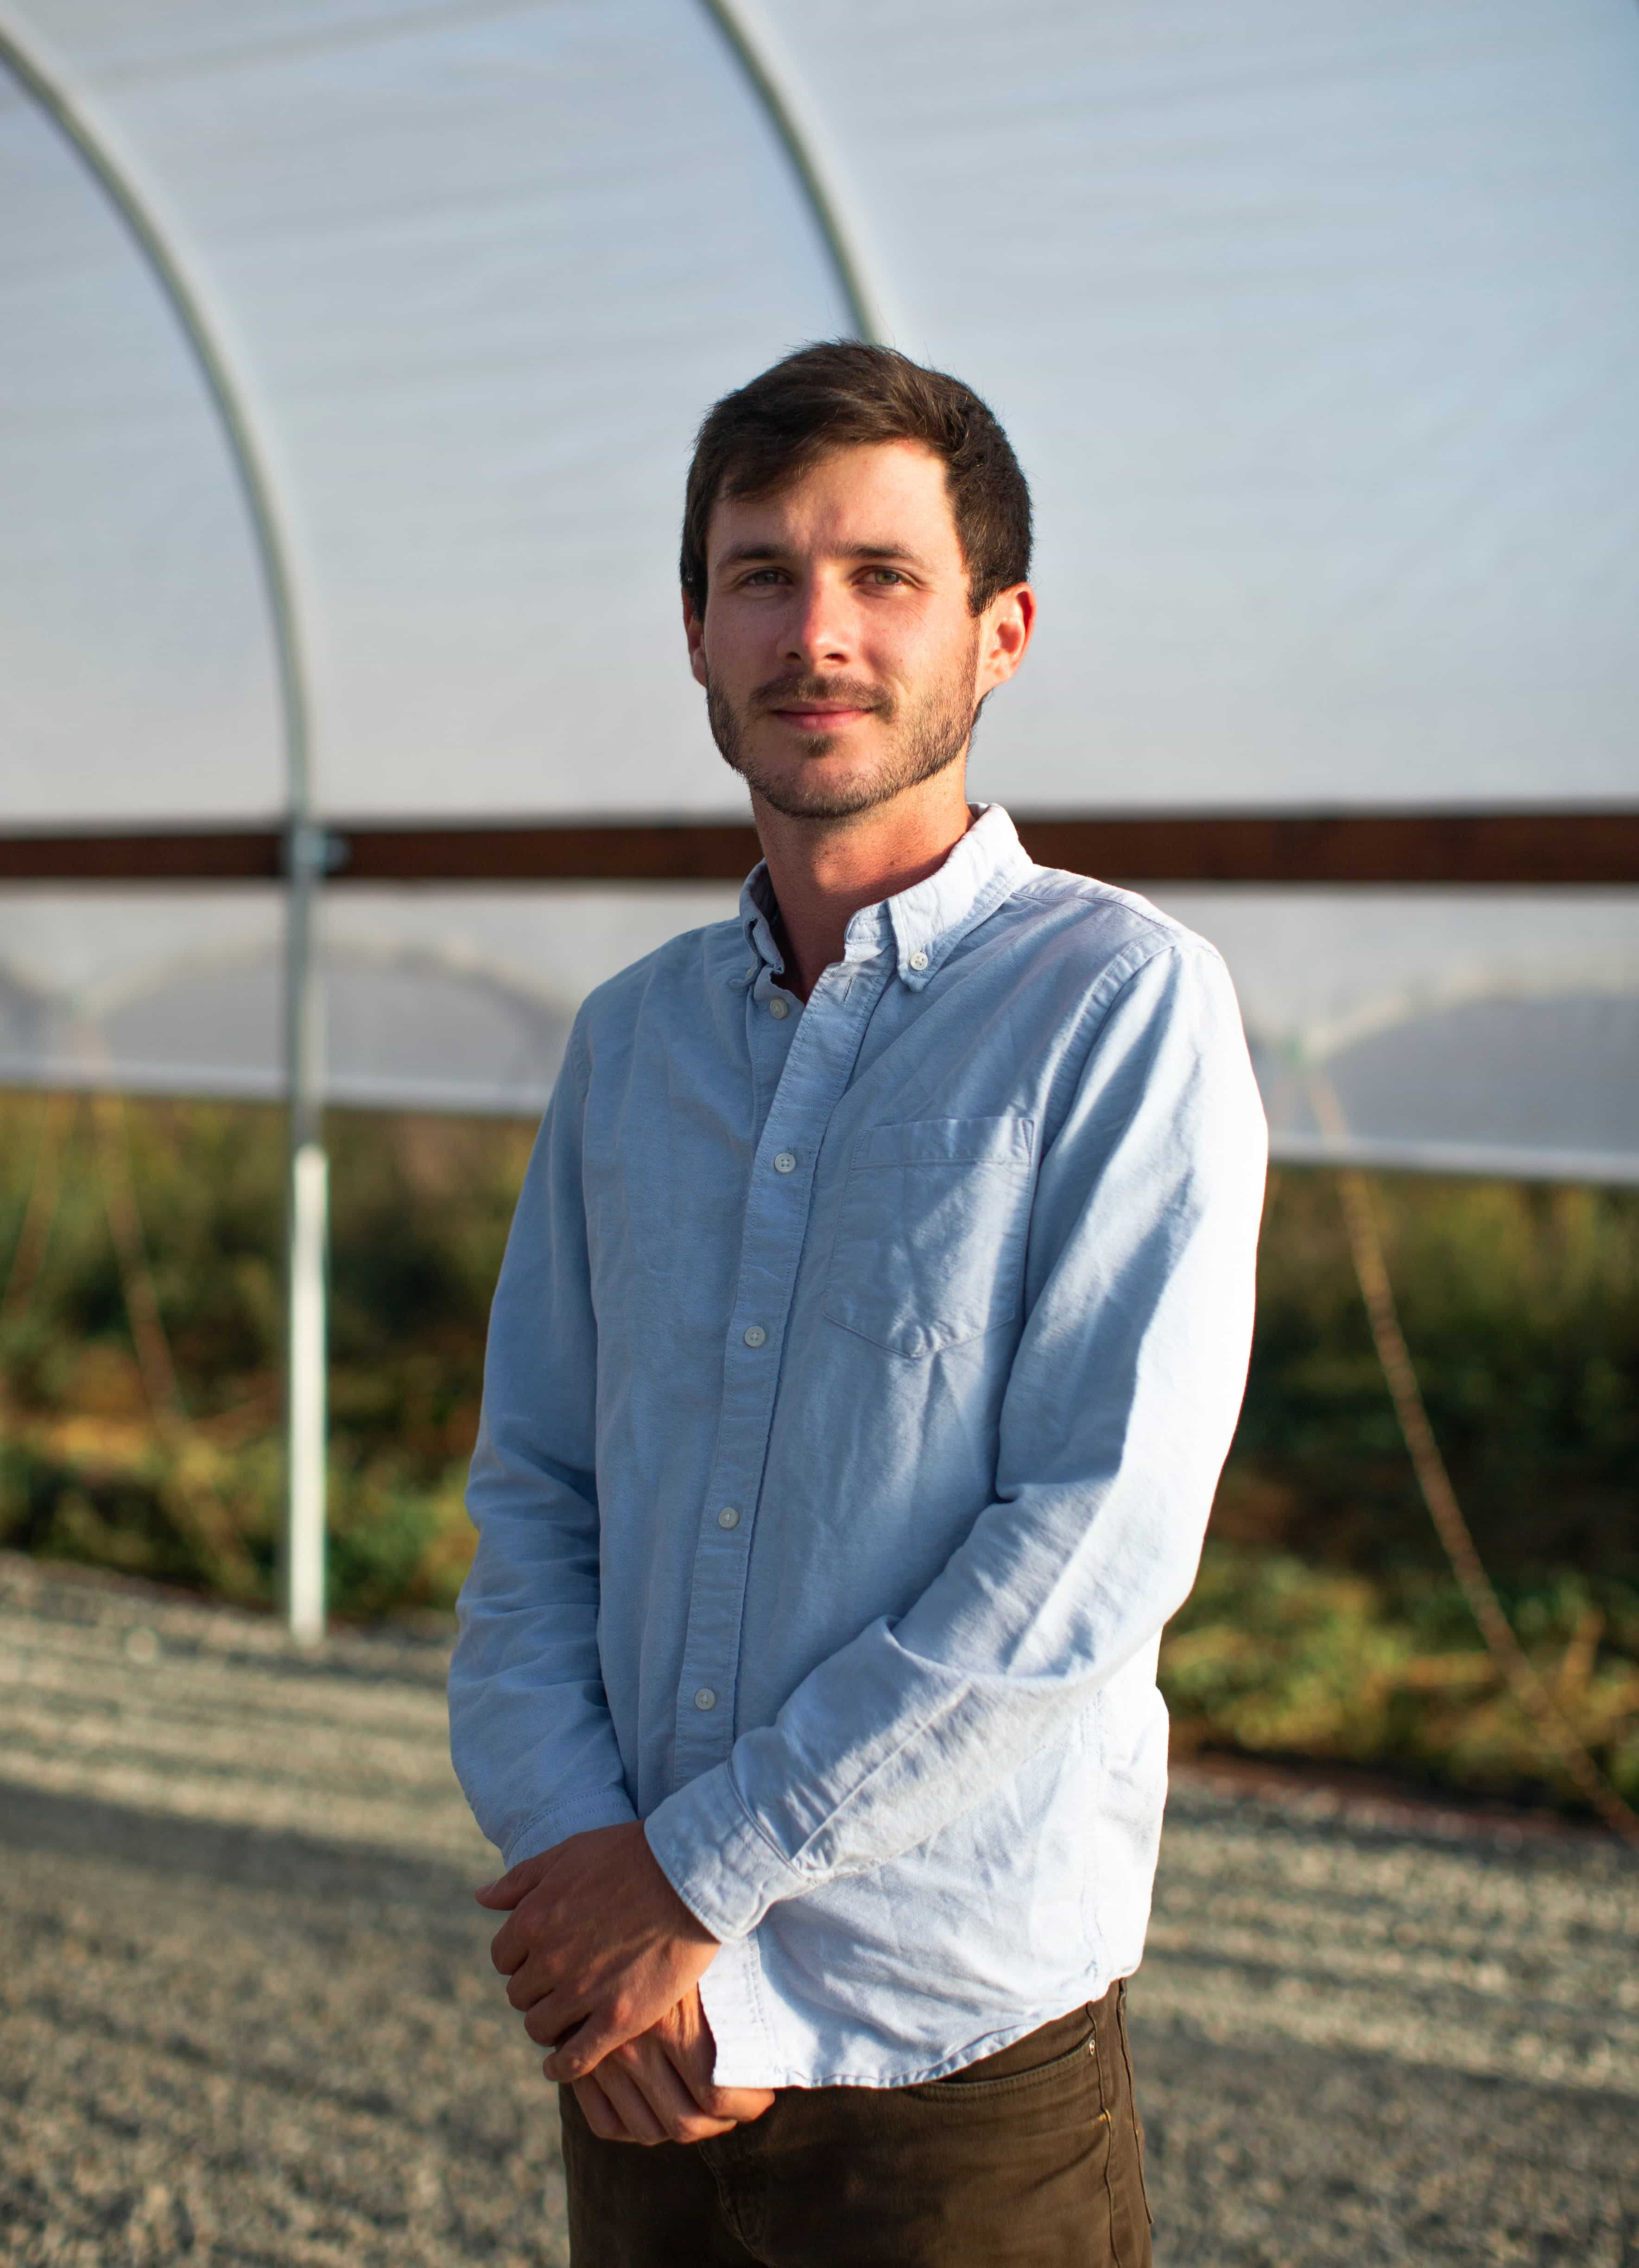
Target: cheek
{"x":736,"y":651}
{"x":921,"y":671}
{"x":917,"y":643}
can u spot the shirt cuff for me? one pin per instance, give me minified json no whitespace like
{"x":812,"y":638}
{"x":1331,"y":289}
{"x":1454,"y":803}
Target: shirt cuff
{"x":717,"y":1858}
{"x":573,"y":1815}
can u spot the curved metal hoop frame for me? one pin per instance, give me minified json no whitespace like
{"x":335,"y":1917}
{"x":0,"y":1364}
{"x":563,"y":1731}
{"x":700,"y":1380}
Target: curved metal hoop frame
{"x":304,"y":860}
{"x":306,"y":1230}
{"x":778,"y":101}
{"x":220,"y":384}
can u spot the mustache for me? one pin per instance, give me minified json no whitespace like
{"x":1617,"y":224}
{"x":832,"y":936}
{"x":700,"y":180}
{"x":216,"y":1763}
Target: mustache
{"x":797,"y":691}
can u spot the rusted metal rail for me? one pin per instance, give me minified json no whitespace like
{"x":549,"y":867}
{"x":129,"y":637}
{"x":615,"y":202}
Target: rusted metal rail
{"x":1520,"y":847}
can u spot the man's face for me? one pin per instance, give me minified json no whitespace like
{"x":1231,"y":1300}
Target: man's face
{"x":840,"y":662}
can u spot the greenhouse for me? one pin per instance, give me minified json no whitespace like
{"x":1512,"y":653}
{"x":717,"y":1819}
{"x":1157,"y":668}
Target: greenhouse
{"x":350,"y":361}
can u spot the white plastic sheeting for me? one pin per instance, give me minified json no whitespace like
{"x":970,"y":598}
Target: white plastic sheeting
{"x":1312,"y":322}
{"x":1471,"y":1031}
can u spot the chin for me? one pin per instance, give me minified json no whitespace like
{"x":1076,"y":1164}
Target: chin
{"x":815,"y":766}
{"x":806,"y":798}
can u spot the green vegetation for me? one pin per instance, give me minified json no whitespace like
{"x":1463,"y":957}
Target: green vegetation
{"x":97,"y":1465}
{"x":138,"y":1366}
{"x":1272,"y":1656}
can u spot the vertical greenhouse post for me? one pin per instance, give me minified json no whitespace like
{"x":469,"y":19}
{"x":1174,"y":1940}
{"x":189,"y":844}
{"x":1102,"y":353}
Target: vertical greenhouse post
{"x":307,"y":1225}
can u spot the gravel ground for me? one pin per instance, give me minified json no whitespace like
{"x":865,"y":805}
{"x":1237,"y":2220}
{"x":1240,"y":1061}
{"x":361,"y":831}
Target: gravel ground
{"x":245,"y":2014}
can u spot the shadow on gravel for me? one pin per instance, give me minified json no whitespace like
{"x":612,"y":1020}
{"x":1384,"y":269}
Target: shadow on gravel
{"x":1290,"y":2157}
{"x":256,"y":2050}
{"x":209,"y":1850}
{"x":266,"y":2051}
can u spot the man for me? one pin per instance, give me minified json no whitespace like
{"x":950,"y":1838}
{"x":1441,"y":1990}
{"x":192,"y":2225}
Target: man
{"x":869,"y":1337}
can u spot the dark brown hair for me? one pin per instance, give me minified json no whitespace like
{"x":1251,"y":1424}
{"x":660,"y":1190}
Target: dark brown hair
{"x":835,"y":396}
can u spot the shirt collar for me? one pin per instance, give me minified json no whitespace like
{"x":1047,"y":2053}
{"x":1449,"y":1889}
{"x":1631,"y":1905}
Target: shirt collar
{"x":924,"y":924}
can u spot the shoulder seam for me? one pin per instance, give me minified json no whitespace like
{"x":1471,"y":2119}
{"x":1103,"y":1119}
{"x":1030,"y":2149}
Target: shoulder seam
{"x":1168,"y":931}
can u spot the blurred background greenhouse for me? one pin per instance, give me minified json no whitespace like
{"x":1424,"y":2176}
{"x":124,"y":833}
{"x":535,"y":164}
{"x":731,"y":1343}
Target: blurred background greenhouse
{"x":349,"y":359}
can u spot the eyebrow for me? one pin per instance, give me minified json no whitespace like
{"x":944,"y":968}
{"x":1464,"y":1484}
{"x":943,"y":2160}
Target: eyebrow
{"x":746,"y":554}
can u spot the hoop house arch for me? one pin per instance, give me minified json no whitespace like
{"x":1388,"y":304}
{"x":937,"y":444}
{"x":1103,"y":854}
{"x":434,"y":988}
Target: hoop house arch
{"x":93,"y":146}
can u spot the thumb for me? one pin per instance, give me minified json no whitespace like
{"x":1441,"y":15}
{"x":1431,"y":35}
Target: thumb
{"x":695,"y":2061}
{"x":506,"y":1890}
{"x":741,"y":2103}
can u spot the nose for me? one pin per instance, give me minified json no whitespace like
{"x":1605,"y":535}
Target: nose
{"x":815,"y":632}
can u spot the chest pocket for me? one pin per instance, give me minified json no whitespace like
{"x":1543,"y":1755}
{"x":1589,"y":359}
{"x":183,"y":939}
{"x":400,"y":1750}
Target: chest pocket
{"x":929,"y":1247}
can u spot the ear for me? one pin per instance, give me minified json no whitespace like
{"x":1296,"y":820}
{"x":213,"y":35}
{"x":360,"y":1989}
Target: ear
{"x":1010,"y":621}
{"x":695,"y":631}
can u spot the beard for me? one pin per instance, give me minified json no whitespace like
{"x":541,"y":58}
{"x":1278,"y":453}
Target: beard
{"x":925,"y":737}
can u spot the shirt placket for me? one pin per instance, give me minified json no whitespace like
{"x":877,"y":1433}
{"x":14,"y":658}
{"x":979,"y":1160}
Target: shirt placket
{"x":819,"y":1061}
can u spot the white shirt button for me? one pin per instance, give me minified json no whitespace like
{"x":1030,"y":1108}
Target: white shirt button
{"x":729,"y":1517}
{"x":754,"y":1335}
{"x":705,"y":1698}
{"x":919,"y":959}
{"x":777,"y":1008}
{"x":785,"y":1163}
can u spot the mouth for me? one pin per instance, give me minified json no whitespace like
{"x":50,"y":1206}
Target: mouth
{"x":815,"y":717}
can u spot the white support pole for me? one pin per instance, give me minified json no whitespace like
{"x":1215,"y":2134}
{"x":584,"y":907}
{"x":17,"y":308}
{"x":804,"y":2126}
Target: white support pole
{"x":308,"y":1245}
{"x":305,"y":1546}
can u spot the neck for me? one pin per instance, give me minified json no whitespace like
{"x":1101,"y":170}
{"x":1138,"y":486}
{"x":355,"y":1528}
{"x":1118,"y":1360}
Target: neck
{"x":824,"y":869}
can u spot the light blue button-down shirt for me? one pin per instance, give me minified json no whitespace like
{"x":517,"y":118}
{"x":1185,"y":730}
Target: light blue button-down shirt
{"x":859,"y":1377}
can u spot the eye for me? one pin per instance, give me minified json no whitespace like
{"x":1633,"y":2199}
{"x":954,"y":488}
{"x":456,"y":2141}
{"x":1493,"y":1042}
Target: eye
{"x":886,"y":575}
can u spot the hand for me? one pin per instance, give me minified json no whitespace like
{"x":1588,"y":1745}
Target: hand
{"x":598,"y":1945}
{"x":657,"y":2087}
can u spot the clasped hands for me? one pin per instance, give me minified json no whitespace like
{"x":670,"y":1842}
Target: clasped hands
{"x":604,"y":1961}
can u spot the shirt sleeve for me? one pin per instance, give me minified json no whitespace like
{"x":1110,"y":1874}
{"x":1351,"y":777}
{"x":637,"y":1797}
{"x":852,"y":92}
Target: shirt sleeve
{"x":530,"y":1731}
{"x":1116,"y":1420}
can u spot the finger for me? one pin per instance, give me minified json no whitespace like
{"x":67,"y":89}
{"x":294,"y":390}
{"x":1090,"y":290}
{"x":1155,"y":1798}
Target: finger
{"x":645,"y":2063}
{"x":551,"y":2025}
{"x":598,"y":2112}
{"x":542,"y":1971}
{"x":549,"y":2021}
{"x":508,"y":1949}
{"x":739,"y":2105}
{"x":598,"y":2033}
{"x":539,"y":2026}
{"x":688,"y":2047}
{"x":531,"y":1981}
{"x":534,"y":1983}
{"x":630,"y":2106}
{"x":529,"y":1935}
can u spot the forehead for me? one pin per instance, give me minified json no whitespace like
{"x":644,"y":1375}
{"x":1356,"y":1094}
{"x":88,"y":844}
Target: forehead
{"x":885,"y":495}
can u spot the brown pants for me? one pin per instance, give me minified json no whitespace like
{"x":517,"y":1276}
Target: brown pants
{"x":1031,"y":2159}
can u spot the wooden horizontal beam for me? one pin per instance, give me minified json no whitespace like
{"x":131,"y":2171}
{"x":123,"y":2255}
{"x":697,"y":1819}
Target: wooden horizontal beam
{"x":191,"y":855}
{"x":1346,"y":847}
{"x":1445,"y":848}
{"x":681,"y":850}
